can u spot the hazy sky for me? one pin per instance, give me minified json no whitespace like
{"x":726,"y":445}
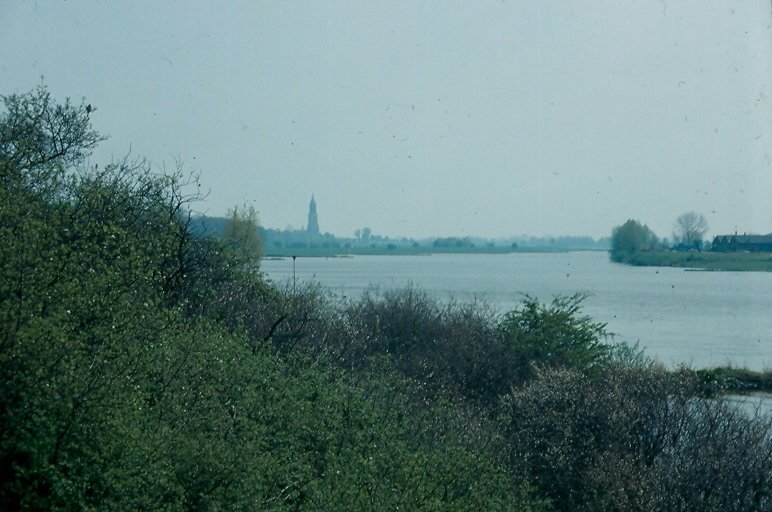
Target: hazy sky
{"x":427,"y":118}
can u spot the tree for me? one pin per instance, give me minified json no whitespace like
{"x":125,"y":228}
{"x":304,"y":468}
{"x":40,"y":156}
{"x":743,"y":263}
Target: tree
{"x":241,"y":233}
{"x":630,"y":238}
{"x":37,"y":134}
{"x":690,"y":228}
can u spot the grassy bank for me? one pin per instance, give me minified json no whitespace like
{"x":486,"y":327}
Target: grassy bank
{"x":758,"y":262}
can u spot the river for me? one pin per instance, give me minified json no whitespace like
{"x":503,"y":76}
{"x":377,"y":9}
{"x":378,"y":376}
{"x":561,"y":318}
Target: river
{"x":678,"y":316}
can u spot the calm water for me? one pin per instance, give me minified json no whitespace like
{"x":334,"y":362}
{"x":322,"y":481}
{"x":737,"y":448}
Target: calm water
{"x":699,"y":318}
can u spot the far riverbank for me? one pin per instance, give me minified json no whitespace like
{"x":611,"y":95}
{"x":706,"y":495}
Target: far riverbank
{"x":732,"y":261}
{"x":381,"y":250}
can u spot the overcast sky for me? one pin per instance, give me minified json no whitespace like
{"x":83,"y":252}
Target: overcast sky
{"x":427,"y":118}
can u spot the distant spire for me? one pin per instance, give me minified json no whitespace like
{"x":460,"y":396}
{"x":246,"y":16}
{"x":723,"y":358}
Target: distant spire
{"x":313,"y":219}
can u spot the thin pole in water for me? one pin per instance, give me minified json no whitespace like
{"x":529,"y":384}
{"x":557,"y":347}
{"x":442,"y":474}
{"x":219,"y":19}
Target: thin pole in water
{"x":293,"y":275}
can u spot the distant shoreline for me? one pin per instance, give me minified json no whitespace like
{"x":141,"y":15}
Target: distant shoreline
{"x":341,"y":252}
{"x":705,"y":261}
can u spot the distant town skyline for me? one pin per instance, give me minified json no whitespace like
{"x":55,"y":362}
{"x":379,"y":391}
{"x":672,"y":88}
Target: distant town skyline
{"x":427,"y":119}
{"x":313,"y":229}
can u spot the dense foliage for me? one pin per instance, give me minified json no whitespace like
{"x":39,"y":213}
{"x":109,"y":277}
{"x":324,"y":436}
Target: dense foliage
{"x":631,"y":239}
{"x":131,"y":380}
{"x":146,"y":367}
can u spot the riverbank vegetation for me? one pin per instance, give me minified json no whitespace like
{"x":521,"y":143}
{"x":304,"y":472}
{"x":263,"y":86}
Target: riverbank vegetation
{"x":725,"y":379}
{"x":635,"y":244}
{"x":704,"y":260}
{"x":143,"y":366}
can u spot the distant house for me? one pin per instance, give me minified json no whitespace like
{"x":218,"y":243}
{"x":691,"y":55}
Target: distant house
{"x":742,"y":243}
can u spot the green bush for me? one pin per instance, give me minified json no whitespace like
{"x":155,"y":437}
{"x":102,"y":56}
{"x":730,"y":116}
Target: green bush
{"x":554,"y":335}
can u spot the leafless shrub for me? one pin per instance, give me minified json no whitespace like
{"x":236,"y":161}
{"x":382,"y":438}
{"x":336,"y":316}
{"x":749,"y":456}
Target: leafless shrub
{"x":636,"y":439}
{"x":451,"y":346}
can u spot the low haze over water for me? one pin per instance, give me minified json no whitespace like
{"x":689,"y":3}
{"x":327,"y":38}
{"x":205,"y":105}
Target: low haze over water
{"x":678,"y":316}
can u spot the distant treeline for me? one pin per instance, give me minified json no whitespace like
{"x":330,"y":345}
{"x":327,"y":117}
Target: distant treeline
{"x":280,"y":242}
{"x":145,"y":366}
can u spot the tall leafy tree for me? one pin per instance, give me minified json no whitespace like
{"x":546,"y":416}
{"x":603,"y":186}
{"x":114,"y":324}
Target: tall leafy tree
{"x":630,"y":238}
{"x":241,"y":233}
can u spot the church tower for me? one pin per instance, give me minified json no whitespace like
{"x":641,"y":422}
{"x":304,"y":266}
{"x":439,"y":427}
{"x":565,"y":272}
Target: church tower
{"x":313,"y":220}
